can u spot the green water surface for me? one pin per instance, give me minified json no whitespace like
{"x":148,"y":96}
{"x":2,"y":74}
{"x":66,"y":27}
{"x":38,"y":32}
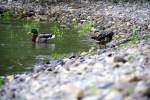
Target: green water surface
{"x":18,"y":53}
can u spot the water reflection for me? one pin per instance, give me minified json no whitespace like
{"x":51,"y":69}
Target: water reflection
{"x":17,"y":53}
{"x":44,"y":45}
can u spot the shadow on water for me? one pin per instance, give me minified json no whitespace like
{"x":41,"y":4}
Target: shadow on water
{"x":18,"y":53}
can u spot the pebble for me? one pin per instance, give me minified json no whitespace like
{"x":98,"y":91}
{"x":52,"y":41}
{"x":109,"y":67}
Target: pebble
{"x":114,"y":95}
{"x":105,"y":85}
{"x":143,"y":88}
{"x":91,"y":98}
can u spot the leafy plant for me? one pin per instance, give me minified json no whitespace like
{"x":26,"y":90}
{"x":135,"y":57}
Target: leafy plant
{"x":57,"y":29}
{"x":2,"y":82}
{"x":137,"y":35}
{"x":6,"y":16}
{"x":86,"y":26}
{"x":58,"y":55}
{"x":30,"y":25}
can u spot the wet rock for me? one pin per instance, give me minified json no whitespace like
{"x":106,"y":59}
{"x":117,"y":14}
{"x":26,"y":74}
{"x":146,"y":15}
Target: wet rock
{"x":119,"y":59}
{"x":76,"y":93}
{"x":84,"y":53}
{"x":50,"y":68}
{"x":38,"y":68}
{"x":115,"y":59}
{"x":97,"y":67}
{"x":57,"y":62}
{"x":80,"y":68}
{"x":72,"y":55}
{"x":82,"y":59}
{"x":91,"y":98}
{"x":28,"y":14}
{"x":129,"y":78}
{"x":114,"y":95}
{"x":143,"y":88}
{"x":105,"y":85}
{"x":134,"y":79}
{"x":42,"y":18}
{"x":10,"y":77}
{"x":52,"y":65}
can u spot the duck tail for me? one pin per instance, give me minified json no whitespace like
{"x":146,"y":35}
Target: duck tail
{"x":52,"y":37}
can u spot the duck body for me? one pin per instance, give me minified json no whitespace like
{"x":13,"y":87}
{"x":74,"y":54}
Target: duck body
{"x":41,"y":37}
{"x":103,"y":38}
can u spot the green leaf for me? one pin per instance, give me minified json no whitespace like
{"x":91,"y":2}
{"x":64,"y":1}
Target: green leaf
{"x":2,"y":82}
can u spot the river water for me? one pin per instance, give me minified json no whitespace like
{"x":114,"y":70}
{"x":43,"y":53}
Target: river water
{"x":19,"y":54}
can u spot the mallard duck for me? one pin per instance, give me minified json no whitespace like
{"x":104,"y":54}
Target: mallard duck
{"x":103,"y":38}
{"x":41,"y":37}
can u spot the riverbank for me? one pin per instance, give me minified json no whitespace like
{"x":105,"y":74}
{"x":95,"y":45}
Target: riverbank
{"x":119,"y":72}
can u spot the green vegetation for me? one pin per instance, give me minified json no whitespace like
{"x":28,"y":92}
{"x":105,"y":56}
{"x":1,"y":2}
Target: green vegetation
{"x":2,"y":82}
{"x":137,"y":36}
{"x":58,"y":55}
{"x":86,"y":26}
{"x":57,"y":29}
{"x":28,"y":25}
{"x":6,"y":16}
{"x":82,"y":28}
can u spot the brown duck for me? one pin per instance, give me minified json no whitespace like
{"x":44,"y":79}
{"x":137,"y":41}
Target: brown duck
{"x":103,"y":38}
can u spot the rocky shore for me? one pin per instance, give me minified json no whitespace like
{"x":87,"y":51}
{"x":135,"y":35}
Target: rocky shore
{"x":113,"y":73}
